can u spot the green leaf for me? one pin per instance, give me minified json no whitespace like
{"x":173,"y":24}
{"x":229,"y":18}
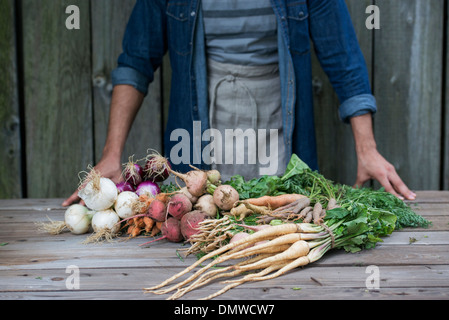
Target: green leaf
{"x":294,"y":167}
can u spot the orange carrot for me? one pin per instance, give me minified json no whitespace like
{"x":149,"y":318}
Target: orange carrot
{"x":274,"y":202}
{"x":130,"y":229}
{"x":156,"y":228}
{"x":149,"y":223}
{"x":136,"y":231}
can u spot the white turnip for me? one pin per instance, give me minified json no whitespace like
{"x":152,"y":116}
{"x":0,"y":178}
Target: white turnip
{"x":106,"y":220}
{"x":77,"y":219}
{"x":98,"y":193}
{"x":125,"y":203}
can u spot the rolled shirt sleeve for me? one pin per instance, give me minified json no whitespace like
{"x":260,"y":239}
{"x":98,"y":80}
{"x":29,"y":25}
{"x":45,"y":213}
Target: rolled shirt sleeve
{"x":357,"y":106}
{"x":132,"y":77}
{"x":143,"y":45}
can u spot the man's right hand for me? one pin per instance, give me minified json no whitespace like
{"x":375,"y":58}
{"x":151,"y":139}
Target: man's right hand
{"x":108,"y":169}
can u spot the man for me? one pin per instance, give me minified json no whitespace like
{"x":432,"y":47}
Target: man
{"x":213,"y":46}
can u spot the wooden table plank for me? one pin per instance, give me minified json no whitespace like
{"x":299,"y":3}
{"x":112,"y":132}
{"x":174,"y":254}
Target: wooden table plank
{"x":413,"y":263}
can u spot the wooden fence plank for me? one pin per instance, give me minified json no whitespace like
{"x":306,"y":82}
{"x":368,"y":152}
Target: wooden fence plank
{"x":10,"y":165}
{"x":109,"y":19}
{"x":445,"y":172}
{"x":58,"y":102}
{"x":408,"y":84}
{"x":334,"y":137}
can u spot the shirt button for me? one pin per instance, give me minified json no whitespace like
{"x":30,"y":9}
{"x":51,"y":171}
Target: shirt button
{"x":195,"y":108}
{"x":192,"y":13}
{"x":301,"y":14}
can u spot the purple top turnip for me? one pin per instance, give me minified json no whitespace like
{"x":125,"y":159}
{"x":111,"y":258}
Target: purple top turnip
{"x":157,"y":168}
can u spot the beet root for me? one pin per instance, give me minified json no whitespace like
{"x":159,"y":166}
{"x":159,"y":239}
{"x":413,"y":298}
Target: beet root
{"x":190,"y":223}
{"x":171,"y":230}
{"x":157,"y":210}
{"x":179,"y":205}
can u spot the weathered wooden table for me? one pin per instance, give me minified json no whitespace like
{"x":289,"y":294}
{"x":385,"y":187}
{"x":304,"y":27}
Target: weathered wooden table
{"x":410,"y":264}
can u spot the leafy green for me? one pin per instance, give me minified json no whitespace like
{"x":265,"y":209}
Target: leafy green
{"x":376,"y":210}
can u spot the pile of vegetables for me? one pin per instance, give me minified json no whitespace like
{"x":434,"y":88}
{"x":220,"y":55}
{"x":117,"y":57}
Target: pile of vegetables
{"x":137,"y":206}
{"x":268,"y":225}
{"x":282,"y":223}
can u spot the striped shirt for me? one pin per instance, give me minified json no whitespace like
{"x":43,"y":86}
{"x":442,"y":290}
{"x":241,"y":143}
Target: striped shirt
{"x":240,"y":31}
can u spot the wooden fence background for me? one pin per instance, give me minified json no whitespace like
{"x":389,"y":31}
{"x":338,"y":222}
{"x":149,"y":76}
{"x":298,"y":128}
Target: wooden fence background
{"x":55,"y":91}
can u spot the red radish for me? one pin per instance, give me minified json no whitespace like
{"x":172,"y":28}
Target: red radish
{"x":125,"y":186}
{"x":225,"y":196}
{"x":179,"y":205}
{"x":195,"y":180}
{"x":157,"y":210}
{"x":171,"y":230}
{"x":157,"y":168}
{"x":149,"y":188}
{"x":190,"y":223}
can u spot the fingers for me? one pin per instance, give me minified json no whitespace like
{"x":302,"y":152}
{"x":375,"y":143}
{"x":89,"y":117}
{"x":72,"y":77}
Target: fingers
{"x":394,"y":185}
{"x":401,"y":188}
{"x":70,"y":200}
{"x":390,"y":180}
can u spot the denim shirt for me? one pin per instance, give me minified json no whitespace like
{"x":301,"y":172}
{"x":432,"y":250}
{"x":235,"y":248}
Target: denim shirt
{"x":158,"y":26}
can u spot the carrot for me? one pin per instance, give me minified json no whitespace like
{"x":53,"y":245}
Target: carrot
{"x":136,"y":231}
{"x":149,"y":223}
{"x":139,"y":222}
{"x":308,"y":217}
{"x":156,"y":229}
{"x":316,"y":213}
{"x":274,"y":202}
{"x":304,"y":212}
{"x":332,"y":204}
{"x":130,"y":229}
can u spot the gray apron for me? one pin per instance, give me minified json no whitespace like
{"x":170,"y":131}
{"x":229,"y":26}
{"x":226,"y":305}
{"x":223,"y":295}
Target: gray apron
{"x":246,"y":120}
